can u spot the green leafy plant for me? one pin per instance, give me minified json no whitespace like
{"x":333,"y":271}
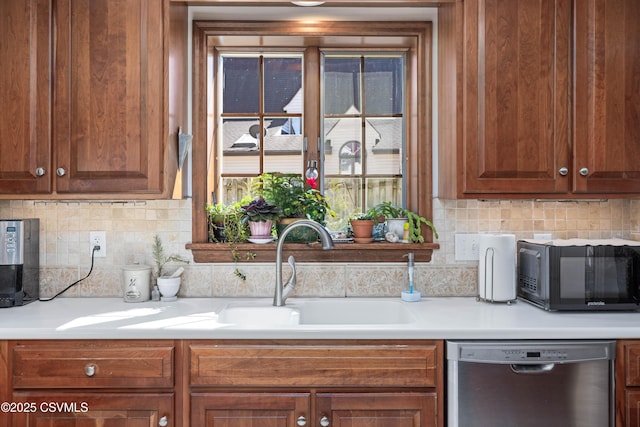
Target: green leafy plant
{"x":161,"y":259}
{"x":226,"y":225}
{"x":289,"y":193}
{"x":388,"y":210}
{"x":362,"y":216}
{"x":258,"y":210}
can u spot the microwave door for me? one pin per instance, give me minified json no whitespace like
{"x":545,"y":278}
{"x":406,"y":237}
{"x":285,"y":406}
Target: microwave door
{"x":610,"y":276}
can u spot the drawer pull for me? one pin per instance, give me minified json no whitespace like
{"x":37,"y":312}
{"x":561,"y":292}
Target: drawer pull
{"x":90,"y":370}
{"x":163,"y":422}
{"x":324,"y":421}
{"x":301,"y":421}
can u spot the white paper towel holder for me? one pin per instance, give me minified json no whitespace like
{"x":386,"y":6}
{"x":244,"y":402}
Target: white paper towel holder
{"x":486,"y":295}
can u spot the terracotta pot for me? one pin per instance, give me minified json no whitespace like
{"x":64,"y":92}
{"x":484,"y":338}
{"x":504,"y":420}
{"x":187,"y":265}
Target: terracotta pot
{"x":261,"y":228}
{"x":362,"y":230}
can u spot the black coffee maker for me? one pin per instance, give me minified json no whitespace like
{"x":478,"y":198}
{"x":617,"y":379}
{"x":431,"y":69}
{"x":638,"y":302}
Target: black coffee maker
{"x":19,"y":261}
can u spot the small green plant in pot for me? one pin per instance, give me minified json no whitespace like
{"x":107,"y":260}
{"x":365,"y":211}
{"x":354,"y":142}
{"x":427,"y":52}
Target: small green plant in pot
{"x":414,"y":221}
{"x":362,"y":227}
{"x":226,"y":226}
{"x":219,"y":215}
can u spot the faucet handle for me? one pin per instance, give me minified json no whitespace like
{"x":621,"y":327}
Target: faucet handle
{"x":291,"y":283}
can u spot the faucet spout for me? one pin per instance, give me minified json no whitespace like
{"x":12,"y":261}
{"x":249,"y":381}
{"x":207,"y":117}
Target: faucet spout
{"x":281,"y":295}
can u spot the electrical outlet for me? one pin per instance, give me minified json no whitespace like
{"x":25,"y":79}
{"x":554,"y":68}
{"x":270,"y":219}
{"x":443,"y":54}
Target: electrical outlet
{"x":466,"y":246}
{"x":98,"y":238}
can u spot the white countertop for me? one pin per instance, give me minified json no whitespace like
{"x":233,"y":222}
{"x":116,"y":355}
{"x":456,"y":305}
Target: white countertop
{"x":197,"y":318}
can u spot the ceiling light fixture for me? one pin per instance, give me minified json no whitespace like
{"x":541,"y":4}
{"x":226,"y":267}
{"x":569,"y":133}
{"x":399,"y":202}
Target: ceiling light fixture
{"x":307,"y":3}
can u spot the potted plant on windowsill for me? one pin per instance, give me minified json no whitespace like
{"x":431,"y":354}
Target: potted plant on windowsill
{"x":226,"y":226}
{"x":260,"y":216}
{"x":406,"y":216}
{"x":295,"y":200}
{"x":362,"y":227}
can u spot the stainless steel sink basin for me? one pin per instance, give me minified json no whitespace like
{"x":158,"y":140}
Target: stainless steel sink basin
{"x":353,"y":312}
{"x":259,"y":315}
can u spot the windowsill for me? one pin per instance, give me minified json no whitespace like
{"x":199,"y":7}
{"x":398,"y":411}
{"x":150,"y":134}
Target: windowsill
{"x":312,"y":252}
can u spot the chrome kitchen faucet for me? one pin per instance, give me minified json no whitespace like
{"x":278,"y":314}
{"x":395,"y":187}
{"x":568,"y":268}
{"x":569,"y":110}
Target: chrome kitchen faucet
{"x":283,"y":291}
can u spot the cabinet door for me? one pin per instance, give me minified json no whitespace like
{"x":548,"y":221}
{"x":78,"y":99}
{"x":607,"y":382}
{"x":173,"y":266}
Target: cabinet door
{"x":109,"y":95}
{"x":93,"y":410}
{"x":516,"y":72}
{"x":25,"y":139}
{"x":249,"y":409}
{"x":377,"y":409}
{"x":607,"y":97}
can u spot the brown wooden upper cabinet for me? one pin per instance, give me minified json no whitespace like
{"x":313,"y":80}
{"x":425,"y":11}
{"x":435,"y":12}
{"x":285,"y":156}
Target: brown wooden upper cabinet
{"x":540,"y":98}
{"x":89,"y":97}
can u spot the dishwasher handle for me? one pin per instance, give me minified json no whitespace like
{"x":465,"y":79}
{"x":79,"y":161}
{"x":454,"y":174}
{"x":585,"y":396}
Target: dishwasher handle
{"x":541,"y":368}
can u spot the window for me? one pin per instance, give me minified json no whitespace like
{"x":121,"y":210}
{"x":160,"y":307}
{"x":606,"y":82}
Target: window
{"x":275,"y":102}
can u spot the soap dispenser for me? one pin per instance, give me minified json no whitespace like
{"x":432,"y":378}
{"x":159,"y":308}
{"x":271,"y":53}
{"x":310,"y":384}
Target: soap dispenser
{"x":410,"y":295}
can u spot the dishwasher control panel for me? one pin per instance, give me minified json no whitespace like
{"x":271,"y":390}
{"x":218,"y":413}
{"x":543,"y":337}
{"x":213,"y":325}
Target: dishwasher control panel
{"x":528,"y":352}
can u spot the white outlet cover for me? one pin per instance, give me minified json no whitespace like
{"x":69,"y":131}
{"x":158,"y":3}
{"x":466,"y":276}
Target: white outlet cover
{"x":466,"y":246}
{"x":98,"y":238}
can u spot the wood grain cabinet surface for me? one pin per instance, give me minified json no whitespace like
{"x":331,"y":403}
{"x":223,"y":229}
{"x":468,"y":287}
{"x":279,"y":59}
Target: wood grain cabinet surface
{"x":88,"y":89}
{"x":516,"y":92}
{"x":91,"y":383}
{"x":628,"y":383}
{"x":547,"y":98}
{"x":314,"y":383}
{"x":25,"y":122}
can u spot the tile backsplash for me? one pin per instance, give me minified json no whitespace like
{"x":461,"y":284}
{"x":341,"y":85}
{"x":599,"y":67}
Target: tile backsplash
{"x":131,"y":225}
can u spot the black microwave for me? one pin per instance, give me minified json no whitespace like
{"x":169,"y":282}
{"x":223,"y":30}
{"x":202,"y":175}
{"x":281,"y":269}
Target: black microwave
{"x":579,"y":275}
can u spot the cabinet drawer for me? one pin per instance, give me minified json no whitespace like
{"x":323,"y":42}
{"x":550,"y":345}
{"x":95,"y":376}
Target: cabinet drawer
{"x":314,"y":365}
{"x":105,"y":364}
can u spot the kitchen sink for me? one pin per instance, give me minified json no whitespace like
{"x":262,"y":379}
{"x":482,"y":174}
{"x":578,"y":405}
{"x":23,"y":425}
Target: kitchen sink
{"x":258,"y":315}
{"x":353,"y":312}
{"x":322,"y":311}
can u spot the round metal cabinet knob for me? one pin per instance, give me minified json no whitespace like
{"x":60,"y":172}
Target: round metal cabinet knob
{"x":90,"y":370}
{"x":584,"y":171}
{"x":163,"y":422}
{"x":324,"y":421}
{"x":563,"y":171}
{"x":301,"y":421}
{"x":40,"y":171}
{"x":61,"y":172}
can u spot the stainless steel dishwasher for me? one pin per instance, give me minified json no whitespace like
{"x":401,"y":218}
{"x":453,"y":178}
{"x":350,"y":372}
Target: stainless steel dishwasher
{"x":530,"y":383}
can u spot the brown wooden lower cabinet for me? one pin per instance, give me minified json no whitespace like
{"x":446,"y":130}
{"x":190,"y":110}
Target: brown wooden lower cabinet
{"x":340,"y":409}
{"x":222,"y":383}
{"x":91,"y":409}
{"x":316,"y":383}
{"x":91,"y":383}
{"x":628,"y":383}
{"x":249,"y":409}
{"x":397,"y":409}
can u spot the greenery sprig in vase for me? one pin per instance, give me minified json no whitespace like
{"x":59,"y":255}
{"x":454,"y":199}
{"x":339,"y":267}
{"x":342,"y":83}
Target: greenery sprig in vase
{"x":161,"y":259}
